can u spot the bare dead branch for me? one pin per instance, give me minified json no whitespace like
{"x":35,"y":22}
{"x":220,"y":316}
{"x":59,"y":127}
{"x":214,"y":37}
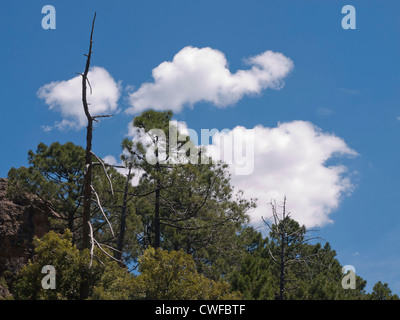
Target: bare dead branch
{"x":105,"y":171}
{"x":90,"y":86}
{"x":101,"y":209}
{"x":99,"y":245}
{"x":103,"y":116}
{"x":92,"y":242}
{"x":112,"y":248}
{"x":272,"y":256}
{"x":108,"y":165}
{"x":99,"y":260}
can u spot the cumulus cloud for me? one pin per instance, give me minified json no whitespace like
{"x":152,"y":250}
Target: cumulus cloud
{"x":290,"y":159}
{"x":202,"y":74}
{"x":66,"y":98}
{"x":294,"y":159}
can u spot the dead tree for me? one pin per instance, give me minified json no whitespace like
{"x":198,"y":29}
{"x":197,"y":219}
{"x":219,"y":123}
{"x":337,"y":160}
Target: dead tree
{"x":287,"y":243}
{"x":88,"y":240}
{"x":87,"y":192}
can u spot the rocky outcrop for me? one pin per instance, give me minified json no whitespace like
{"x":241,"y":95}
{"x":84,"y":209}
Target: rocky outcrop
{"x":19,"y":223}
{"x":4,"y":293}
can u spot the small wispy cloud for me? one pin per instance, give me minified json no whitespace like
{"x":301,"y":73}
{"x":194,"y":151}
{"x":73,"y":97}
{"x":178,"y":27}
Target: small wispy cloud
{"x":352,"y":92}
{"x":323,"y":111}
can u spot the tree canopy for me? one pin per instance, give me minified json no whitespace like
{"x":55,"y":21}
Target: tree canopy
{"x":181,"y":231}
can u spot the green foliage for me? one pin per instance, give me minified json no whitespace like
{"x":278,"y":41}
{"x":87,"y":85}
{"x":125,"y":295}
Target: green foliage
{"x":55,"y":176}
{"x":323,"y":278}
{"x":197,"y":210}
{"x":115,"y":284}
{"x":381,"y":291}
{"x":105,"y":278}
{"x":206,"y":249}
{"x":151,"y":119}
{"x":201,"y":216}
{"x":173,"y":276}
{"x":253,"y":275}
{"x":319,"y":278}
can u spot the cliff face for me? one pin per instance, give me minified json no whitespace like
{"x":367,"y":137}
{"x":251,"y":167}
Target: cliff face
{"x":19,"y":223}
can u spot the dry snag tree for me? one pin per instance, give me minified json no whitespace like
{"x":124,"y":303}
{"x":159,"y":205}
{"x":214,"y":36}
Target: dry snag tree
{"x":207,"y":191}
{"x":288,"y":239}
{"x":88,"y":240}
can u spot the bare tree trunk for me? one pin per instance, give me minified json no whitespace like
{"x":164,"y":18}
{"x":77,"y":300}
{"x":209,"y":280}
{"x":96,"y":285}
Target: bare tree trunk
{"x":87,"y":191}
{"x":122,"y":228}
{"x":71,"y":218}
{"x":282,"y":270}
{"x":189,"y":244}
{"x":86,"y":244}
{"x":282,"y":260}
{"x":157,"y":231}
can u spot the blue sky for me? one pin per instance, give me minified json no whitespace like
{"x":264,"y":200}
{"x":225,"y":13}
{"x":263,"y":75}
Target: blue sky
{"x":344,"y":82}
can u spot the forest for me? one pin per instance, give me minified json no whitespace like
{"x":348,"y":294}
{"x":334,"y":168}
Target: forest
{"x":181,"y":232}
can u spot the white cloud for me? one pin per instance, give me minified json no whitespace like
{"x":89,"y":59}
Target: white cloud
{"x":324,"y":112}
{"x":290,"y":160}
{"x":137,"y":173}
{"x":66,"y":98}
{"x":202,"y":74}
